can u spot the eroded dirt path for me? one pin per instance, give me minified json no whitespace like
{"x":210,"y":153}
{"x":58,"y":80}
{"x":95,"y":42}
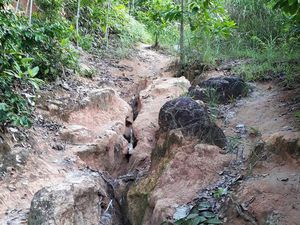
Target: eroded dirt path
{"x":79,"y":122}
{"x":51,"y":157}
{"x":266,"y":131}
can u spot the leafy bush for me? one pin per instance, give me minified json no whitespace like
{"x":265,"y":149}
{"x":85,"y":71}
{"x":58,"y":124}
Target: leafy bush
{"x":27,"y":53}
{"x":15,"y":106}
{"x":48,"y":43}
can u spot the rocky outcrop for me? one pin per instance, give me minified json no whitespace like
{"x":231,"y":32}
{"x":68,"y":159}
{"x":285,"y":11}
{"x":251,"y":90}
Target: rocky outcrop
{"x":11,"y":158}
{"x":182,"y":169}
{"x":180,"y":166}
{"x":146,"y":124}
{"x":96,"y":131}
{"x":81,"y":199}
{"x":284,"y":144}
{"x":220,"y":89}
{"x":192,"y":119}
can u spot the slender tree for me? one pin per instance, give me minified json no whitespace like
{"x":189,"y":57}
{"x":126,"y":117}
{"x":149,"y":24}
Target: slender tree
{"x":182,"y":57}
{"x":77,"y":20}
{"x":27,"y":7}
{"x":17,"y":6}
{"x":30,"y":11}
{"x":107,"y":24}
{"x":133,"y":6}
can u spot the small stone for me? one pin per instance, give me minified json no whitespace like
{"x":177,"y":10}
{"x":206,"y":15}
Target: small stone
{"x":284,"y":179}
{"x":11,"y":188}
{"x":66,"y":86}
{"x":58,"y":147}
{"x":52,"y":107}
{"x":13,"y":130}
{"x":241,"y":129}
{"x":181,"y":212}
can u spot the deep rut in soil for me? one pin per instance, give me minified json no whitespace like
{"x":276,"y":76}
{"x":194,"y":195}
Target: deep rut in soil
{"x":119,"y":138}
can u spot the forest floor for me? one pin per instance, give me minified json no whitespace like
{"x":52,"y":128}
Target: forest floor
{"x":270,"y":186}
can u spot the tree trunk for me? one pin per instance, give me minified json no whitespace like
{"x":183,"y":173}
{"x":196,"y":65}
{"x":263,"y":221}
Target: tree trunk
{"x":106,"y":27}
{"x":132,"y":7}
{"x":27,"y":7}
{"x":17,"y":6}
{"x":129,"y":7}
{"x":156,"y":40}
{"x":182,"y":57}
{"x":77,"y":21}
{"x":30,"y":12}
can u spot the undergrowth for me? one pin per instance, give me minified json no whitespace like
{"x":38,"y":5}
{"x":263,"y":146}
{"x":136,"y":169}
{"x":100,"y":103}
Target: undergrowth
{"x":45,"y":47}
{"x":267,"y":38}
{"x":28,"y":55}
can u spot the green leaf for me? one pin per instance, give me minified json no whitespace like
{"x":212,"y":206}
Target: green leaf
{"x":208,"y":214}
{"x":25,"y":61}
{"x":297,"y":114}
{"x":34,"y":71}
{"x":3,"y":106}
{"x":198,"y":220}
{"x":214,"y":221}
{"x":203,"y":206}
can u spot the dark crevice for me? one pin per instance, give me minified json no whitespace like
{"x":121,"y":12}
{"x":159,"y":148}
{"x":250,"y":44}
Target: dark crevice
{"x":135,"y":104}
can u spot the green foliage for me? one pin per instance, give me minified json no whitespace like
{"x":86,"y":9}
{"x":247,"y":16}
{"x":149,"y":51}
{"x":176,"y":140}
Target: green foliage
{"x":15,"y":106}
{"x":289,"y":6}
{"x":96,"y":19}
{"x":48,"y":43}
{"x":270,"y":64}
{"x":201,"y":214}
{"x":28,"y":55}
{"x":219,"y":192}
{"x":51,"y":9}
{"x":157,"y":15}
{"x":128,"y":30}
{"x":297,"y":114}
{"x":268,"y":37}
{"x":213,"y":100}
{"x":233,"y":143}
{"x":161,"y":18}
{"x":4,"y":2}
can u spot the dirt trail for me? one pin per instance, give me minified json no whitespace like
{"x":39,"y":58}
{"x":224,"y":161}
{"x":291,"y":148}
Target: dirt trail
{"x":271,"y":186}
{"x":266,"y":111}
{"x":146,"y":66}
{"x":50,"y":160}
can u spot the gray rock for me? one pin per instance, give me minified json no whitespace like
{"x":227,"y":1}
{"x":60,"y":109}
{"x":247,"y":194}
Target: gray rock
{"x":4,"y":147}
{"x":186,"y":114}
{"x":11,"y":158}
{"x":76,"y":201}
{"x":223,"y":89}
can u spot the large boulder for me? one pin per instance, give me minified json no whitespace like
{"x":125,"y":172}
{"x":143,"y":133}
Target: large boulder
{"x":81,"y":199}
{"x":192,"y":119}
{"x":222,"y":89}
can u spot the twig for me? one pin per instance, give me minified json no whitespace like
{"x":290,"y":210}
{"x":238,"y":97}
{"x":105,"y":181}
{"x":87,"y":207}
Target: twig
{"x":244,"y":215}
{"x":108,"y":206}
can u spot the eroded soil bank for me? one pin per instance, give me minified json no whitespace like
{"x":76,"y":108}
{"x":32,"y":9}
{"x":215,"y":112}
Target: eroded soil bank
{"x":97,"y":154}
